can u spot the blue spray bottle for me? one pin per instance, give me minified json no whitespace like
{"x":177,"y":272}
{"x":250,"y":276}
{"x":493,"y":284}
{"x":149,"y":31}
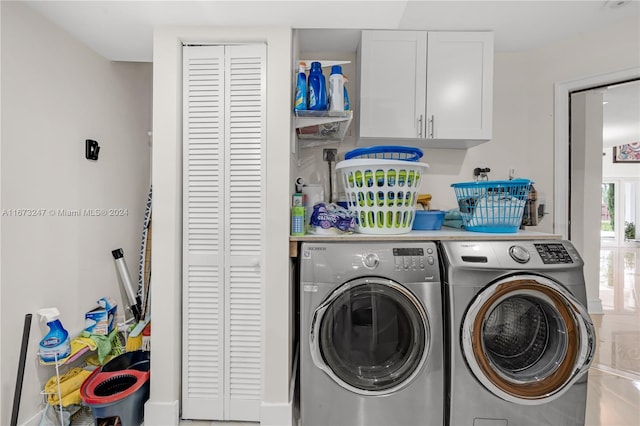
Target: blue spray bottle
{"x":55,"y":345}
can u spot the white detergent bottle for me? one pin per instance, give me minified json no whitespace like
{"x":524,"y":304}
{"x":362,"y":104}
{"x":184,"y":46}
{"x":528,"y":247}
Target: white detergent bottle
{"x":336,"y":89}
{"x":55,"y":345}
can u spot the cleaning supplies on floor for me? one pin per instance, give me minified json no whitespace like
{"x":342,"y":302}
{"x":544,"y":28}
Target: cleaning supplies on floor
{"x":105,"y":344}
{"x":135,"y":302}
{"x":317,"y":88}
{"x":101,"y":320}
{"x":69,"y":390}
{"x":301,"y":101}
{"x":146,"y":338}
{"x":134,"y":339}
{"x":55,"y":345}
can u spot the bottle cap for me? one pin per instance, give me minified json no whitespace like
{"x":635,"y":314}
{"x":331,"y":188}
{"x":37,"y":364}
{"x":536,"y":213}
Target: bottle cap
{"x":336,"y":69}
{"x":49,"y":314}
{"x":315,"y":65}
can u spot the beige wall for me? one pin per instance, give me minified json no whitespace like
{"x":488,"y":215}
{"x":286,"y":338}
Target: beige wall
{"x":163,"y":405}
{"x":523,"y":115}
{"x":55,"y":94}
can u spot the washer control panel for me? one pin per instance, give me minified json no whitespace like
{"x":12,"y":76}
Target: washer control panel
{"x":413,"y":258}
{"x":553,"y":253}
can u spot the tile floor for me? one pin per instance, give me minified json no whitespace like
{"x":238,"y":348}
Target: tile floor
{"x":612,"y":400}
{"x":613,"y":397}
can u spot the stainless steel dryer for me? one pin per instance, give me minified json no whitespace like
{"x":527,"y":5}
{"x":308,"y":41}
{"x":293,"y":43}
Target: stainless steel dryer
{"x":370,"y":334}
{"x":520,"y":340}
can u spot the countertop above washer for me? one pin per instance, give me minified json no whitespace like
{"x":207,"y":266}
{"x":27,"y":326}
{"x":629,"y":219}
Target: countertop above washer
{"x":439,"y":235}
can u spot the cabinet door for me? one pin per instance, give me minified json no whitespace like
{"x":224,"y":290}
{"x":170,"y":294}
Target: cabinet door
{"x":459,"y":85}
{"x":392,"y":84}
{"x":224,"y":109}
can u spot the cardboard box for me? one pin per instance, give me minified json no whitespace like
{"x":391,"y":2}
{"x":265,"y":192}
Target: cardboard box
{"x":102,"y":319}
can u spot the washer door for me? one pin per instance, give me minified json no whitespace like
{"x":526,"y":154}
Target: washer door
{"x":371,"y":336}
{"x":527,"y":339}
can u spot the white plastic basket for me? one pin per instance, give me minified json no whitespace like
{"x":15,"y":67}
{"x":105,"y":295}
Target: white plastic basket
{"x":381,"y":194}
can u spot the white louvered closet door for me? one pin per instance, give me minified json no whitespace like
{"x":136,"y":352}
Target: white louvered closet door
{"x":224,"y":116}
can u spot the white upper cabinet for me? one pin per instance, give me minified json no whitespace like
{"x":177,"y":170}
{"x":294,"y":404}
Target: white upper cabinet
{"x":393,"y":66}
{"x":429,"y":87}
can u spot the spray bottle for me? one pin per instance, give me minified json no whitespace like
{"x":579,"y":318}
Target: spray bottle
{"x":55,"y":345}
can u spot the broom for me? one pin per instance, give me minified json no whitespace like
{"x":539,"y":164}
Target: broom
{"x":146,"y":337}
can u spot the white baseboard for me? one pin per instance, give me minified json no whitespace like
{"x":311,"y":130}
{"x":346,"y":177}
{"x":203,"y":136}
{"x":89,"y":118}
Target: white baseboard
{"x":594,"y":306}
{"x":162,"y":413}
{"x":280,"y":414}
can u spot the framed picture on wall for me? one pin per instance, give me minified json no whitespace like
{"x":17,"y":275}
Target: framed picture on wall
{"x":627,"y":153}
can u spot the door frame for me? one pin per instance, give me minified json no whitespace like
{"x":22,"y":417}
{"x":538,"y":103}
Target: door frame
{"x":562,"y":90}
{"x":562,"y":157}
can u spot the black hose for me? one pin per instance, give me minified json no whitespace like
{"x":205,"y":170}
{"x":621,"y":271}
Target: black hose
{"x":23,"y":359}
{"x":330,"y":183}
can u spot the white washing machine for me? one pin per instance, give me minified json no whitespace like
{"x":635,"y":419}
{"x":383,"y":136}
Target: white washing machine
{"x":520,"y":340}
{"x":371,"y":334}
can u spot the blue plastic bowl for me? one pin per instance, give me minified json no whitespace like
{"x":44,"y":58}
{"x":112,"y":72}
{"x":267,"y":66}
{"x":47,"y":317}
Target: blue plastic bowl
{"x":428,"y":220}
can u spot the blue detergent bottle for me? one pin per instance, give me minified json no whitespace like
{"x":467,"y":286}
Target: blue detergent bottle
{"x":301,"y":101}
{"x":55,"y":345}
{"x":317,"y":88}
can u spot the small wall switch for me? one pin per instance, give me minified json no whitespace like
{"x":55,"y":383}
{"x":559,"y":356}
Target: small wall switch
{"x":91,"y":149}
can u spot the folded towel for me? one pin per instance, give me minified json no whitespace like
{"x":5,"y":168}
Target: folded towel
{"x":102,"y":342}
{"x":70,"y":383}
{"x":453,"y":214}
{"x":453,"y":219}
{"x":454,"y":223}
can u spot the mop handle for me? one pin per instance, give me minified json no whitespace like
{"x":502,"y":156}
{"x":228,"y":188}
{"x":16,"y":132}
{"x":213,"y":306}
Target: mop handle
{"x":23,"y":359}
{"x":118,"y":256}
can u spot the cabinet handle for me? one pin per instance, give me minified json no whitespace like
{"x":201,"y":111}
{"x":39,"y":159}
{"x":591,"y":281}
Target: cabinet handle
{"x":420,"y":126}
{"x":433,"y":125}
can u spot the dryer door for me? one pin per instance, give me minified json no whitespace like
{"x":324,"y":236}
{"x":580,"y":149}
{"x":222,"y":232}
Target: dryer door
{"x":371,"y":336}
{"x":527,"y":339}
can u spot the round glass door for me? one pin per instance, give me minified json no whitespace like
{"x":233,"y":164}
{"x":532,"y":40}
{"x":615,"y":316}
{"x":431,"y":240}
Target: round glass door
{"x":371,"y":336}
{"x":527,"y":339}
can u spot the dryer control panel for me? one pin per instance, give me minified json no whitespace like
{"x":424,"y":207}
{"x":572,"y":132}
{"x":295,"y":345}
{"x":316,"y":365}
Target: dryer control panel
{"x":553,"y":253}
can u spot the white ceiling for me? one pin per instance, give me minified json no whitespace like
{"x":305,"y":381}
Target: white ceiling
{"x":123,"y":30}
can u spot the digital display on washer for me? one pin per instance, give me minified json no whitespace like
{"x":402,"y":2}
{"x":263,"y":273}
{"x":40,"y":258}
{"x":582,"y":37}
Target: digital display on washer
{"x":414,"y":251}
{"x":553,"y":253}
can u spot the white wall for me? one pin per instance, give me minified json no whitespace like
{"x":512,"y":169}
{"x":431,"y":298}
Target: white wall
{"x":55,"y":94}
{"x":163,"y":405}
{"x":523,"y":115}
